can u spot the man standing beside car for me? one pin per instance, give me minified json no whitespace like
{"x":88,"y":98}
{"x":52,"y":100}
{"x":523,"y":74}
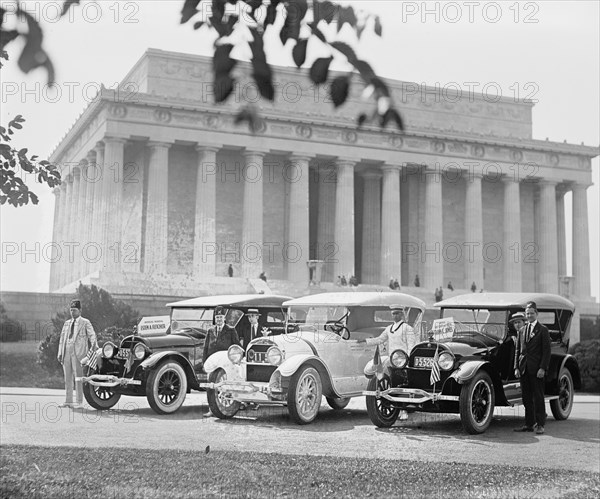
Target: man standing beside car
{"x":533,"y":353}
{"x":221,"y":336}
{"x":398,"y":336}
{"x":76,"y":339}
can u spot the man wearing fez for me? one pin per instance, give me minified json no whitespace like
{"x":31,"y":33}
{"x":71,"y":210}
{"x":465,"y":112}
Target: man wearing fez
{"x":221,"y":336}
{"x":76,"y":339}
{"x":533,"y":353}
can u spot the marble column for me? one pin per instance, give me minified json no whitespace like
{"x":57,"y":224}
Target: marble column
{"x":252,"y":228}
{"x":326,"y":221}
{"x":431,"y":248}
{"x":74,"y":250}
{"x":55,"y":239}
{"x":112,"y":187}
{"x":99,"y":207}
{"x":87,"y":189}
{"x":513,"y":248}
{"x":548,"y":247}
{"x":581,"y":243}
{"x":561,"y":231}
{"x":205,"y":234}
{"x":391,"y":249}
{"x":61,"y":236}
{"x":371,"y":229}
{"x":473,"y":232}
{"x":156,"y":236}
{"x":296,"y":251}
{"x":344,"y":218}
{"x":66,"y":234}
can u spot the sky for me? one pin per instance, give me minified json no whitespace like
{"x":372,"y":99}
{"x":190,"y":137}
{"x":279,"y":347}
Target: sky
{"x":546,"y":50}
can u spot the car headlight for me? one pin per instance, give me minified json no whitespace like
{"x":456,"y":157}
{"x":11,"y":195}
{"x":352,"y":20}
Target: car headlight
{"x":398,"y":358}
{"x":108,"y":350}
{"x":446,"y":361}
{"x":235,"y":354}
{"x":139,"y":351}
{"x":274,"y":356}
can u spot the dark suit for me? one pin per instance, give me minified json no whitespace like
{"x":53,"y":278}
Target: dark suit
{"x":216,"y":342}
{"x":246,"y":334}
{"x":533,"y":354}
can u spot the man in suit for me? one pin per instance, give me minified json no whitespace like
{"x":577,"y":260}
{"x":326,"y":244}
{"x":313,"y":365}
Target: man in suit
{"x":76,"y":339}
{"x":221,"y":336}
{"x":533,"y":353}
{"x":251,"y":329}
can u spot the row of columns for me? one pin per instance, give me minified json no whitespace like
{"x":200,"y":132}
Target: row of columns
{"x":89,"y":208}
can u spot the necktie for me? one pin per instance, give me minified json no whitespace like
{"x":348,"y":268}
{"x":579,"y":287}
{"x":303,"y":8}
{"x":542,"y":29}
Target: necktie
{"x":253,"y":331}
{"x":529,"y":332}
{"x":72,"y":329}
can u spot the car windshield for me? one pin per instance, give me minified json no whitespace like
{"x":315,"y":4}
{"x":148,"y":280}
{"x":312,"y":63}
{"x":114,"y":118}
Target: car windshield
{"x":317,"y":315}
{"x":195,"y":318}
{"x":458,"y":322}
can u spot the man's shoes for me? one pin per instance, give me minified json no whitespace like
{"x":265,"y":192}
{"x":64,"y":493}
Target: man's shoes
{"x":540,"y":430}
{"x":524,"y":428}
{"x":208,"y":414}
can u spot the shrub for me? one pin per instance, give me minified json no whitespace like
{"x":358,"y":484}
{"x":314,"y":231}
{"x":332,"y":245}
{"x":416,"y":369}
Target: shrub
{"x":587,"y":354}
{"x":110,"y":318}
{"x":10,"y":330}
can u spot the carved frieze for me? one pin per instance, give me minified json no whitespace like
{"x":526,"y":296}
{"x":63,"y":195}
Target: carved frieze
{"x":478,"y":150}
{"x":516,"y":155}
{"x":457,"y":147}
{"x":212,"y":121}
{"x":304,"y":131}
{"x":438,"y":146}
{"x":349,"y":136}
{"x":281,"y":129}
{"x":162,"y":115}
{"x":553,"y":159}
{"x":417,"y":144}
{"x":396,"y":142}
{"x":118,"y":111}
{"x":583,"y":162}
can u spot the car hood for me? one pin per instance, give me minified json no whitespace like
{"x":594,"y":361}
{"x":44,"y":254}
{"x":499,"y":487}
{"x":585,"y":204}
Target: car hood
{"x":169,"y":340}
{"x":466,"y":348}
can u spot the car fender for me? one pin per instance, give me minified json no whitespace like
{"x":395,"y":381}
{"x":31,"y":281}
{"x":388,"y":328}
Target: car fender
{"x":155,"y":358}
{"x":467,"y":371}
{"x":290,"y":366}
{"x":570,"y":362}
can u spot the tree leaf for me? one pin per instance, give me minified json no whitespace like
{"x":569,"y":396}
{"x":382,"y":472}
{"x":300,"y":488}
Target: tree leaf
{"x":198,"y":24}
{"x":271,"y":13}
{"x":299,"y":52}
{"x":362,"y":118}
{"x":391,"y":115}
{"x":189,"y":10}
{"x":323,"y":11}
{"x":377,"y":27}
{"x":320,"y":69}
{"x":6,"y":37}
{"x":365,"y":70}
{"x":67,"y":5}
{"x":348,"y":16}
{"x":223,"y":87}
{"x":222,"y":62}
{"x":317,"y":32}
{"x":345,"y":49}
{"x":264,"y":79}
{"x":339,"y":90}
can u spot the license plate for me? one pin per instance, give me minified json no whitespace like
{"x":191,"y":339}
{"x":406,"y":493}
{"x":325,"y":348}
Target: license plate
{"x":122,"y":354}
{"x":257,"y":357}
{"x":424,"y":362}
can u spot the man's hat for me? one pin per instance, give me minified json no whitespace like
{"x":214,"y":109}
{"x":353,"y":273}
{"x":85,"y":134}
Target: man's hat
{"x":397,"y":309}
{"x":75,"y":304}
{"x":532,"y":305}
{"x":220,"y":310}
{"x":253,"y":311}
{"x":519,"y":316}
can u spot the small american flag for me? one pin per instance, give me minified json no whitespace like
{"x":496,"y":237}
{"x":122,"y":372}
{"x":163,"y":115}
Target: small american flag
{"x":435,"y":368}
{"x":92,"y":358}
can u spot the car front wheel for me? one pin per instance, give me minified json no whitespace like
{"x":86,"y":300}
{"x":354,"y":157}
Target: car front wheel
{"x":304,"y":395}
{"x":221,"y":405}
{"x":476,"y":403}
{"x":166,"y":387}
{"x":100,"y":397}
{"x":381,"y":411}
{"x":561,"y":407}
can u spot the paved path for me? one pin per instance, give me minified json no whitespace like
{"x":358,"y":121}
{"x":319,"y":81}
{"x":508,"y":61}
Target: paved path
{"x":32,"y":416}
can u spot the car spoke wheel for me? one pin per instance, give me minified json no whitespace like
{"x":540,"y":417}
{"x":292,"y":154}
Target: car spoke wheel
{"x":338,"y":404}
{"x":304,"y":395}
{"x":382,"y":412}
{"x":221,"y":404}
{"x":477,"y":400}
{"x":100,"y":397}
{"x":166,"y":387}
{"x":561,"y":407}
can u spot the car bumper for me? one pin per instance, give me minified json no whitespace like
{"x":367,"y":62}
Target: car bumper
{"x":409,"y":395}
{"x":108,"y":380}
{"x":247,"y":391}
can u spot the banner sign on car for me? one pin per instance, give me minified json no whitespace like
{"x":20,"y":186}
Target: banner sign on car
{"x":153,"y":326}
{"x":443,"y":327}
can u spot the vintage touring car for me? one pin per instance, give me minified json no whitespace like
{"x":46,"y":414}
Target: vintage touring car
{"x":318,"y":355}
{"x":473,"y":347}
{"x":165,"y":367}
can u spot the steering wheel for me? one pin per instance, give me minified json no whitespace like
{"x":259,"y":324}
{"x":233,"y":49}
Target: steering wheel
{"x":338,"y":328}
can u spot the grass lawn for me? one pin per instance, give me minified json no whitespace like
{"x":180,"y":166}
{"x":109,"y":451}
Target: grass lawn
{"x":19,"y":367}
{"x":72,"y":472}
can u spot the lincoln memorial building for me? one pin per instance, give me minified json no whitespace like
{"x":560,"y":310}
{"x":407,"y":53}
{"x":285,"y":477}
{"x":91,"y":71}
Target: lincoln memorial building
{"x":164,"y":193}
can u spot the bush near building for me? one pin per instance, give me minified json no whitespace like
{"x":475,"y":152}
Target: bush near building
{"x":112,"y":319}
{"x":10,"y":330}
{"x":587,"y":354}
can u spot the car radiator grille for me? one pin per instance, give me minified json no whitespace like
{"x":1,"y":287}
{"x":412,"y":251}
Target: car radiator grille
{"x":260,"y":373}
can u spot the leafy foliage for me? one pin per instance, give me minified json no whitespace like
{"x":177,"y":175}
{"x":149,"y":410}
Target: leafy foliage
{"x":112,"y":319}
{"x":292,"y":18}
{"x":10,"y":330}
{"x":587,"y":354}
